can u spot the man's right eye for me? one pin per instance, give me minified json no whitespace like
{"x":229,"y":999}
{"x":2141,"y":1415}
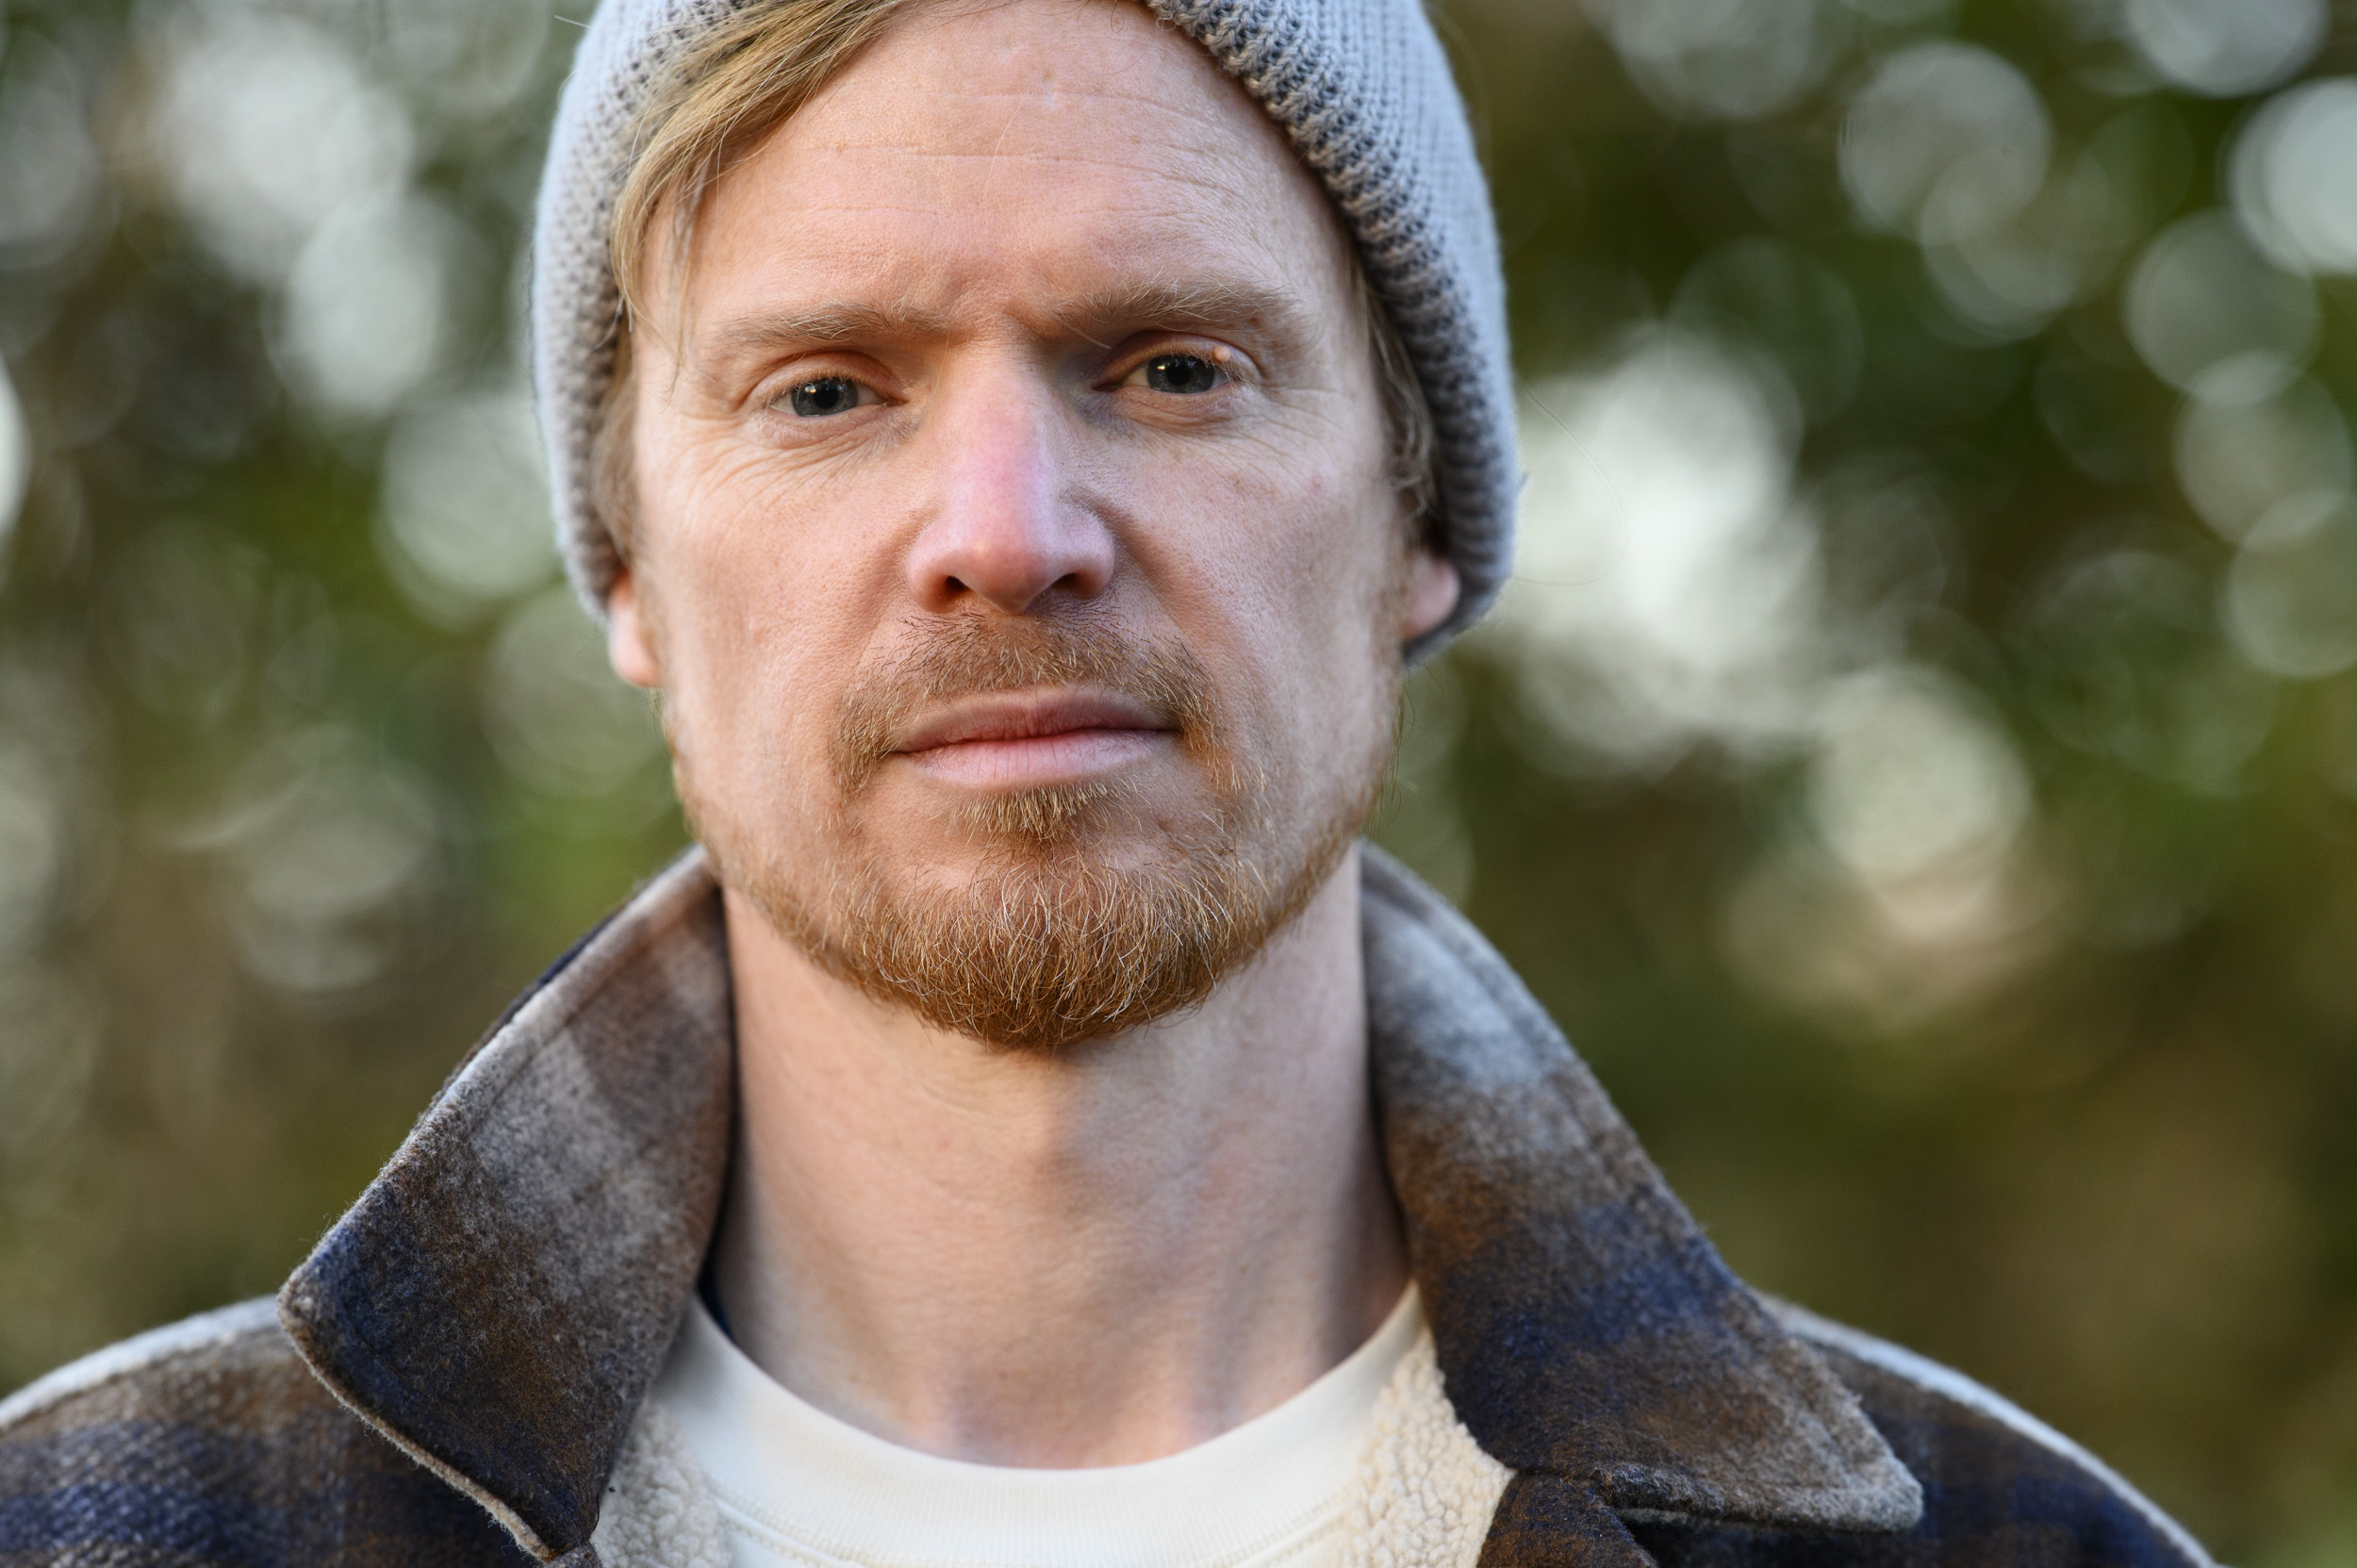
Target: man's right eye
{"x":828,"y":394}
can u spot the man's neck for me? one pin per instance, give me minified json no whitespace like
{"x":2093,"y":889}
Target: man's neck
{"x":1095,"y":1257}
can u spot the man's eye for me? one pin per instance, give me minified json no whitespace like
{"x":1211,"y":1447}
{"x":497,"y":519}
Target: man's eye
{"x":829,"y":394}
{"x":1183,"y":373}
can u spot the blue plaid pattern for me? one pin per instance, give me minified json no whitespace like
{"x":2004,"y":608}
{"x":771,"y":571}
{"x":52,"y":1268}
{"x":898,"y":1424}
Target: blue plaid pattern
{"x":448,"y":1378}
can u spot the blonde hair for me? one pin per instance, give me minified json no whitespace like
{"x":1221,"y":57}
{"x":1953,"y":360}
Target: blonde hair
{"x":720,"y":98}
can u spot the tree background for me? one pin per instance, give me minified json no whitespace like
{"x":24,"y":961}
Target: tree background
{"x":1917,"y":760}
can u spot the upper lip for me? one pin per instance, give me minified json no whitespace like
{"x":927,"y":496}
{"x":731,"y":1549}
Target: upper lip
{"x":1029,"y":715}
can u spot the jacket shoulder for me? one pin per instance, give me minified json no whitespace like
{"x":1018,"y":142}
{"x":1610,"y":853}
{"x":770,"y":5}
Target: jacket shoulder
{"x":2000,"y":1488}
{"x":153,"y":1365}
{"x":209,"y":1442}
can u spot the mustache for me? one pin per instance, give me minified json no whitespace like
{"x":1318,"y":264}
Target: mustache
{"x":974,"y":657}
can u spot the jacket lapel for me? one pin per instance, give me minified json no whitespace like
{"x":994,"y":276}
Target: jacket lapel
{"x":498,"y":1300}
{"x":502,"y":1295}
{"x":1591,"y":1337}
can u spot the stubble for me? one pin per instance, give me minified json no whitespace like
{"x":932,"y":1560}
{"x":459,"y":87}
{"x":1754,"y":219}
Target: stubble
{"x":1065,"y":931}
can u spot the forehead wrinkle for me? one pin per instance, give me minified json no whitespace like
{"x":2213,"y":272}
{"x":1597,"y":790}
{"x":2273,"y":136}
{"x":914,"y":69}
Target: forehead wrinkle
{"x":1195,"y":193}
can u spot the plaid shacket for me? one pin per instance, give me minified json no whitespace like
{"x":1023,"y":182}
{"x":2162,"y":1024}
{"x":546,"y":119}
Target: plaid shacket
{"x":450,"y":1377}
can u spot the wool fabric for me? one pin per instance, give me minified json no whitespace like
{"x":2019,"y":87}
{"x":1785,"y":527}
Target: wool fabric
{"x":455,"y":1373}
{"x":1360,"y":88}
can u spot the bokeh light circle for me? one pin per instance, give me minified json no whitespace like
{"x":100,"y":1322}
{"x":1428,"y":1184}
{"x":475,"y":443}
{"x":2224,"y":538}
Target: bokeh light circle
{"x":2212,"y":317}
{"x":2222,"y":48}
{"x":2294,"y":175}
{"x":1944,"y":141}
{"x":2291,"y":594}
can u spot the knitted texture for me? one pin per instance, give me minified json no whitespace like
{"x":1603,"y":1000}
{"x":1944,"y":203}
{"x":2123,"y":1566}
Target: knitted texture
{"x":1360,"y":88}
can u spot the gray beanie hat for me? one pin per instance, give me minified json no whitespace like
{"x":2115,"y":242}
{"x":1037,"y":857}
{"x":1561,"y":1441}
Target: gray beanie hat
{"x":1359,"y":86}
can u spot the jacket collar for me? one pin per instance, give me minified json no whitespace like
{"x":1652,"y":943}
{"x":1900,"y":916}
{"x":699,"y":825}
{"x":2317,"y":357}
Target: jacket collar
{"x":1586,"y":1328}
{"x":501,"y":1298}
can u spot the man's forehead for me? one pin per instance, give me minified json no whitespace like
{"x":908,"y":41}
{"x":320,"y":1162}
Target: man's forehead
{"x":990,"y":137}
{"x":868,"y":216}
{"x":795,"y":214}
{"x":951,"y":90}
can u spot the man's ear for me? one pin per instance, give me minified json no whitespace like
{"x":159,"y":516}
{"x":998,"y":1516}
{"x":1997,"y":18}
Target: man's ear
{"x":1432,"y":590}
{"x":627,"y":643}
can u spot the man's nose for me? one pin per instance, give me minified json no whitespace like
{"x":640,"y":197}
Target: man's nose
{"x":1007,"y":527}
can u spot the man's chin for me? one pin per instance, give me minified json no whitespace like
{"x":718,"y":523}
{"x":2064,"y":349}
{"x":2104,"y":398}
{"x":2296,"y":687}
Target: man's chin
{"x":1063,"y":927}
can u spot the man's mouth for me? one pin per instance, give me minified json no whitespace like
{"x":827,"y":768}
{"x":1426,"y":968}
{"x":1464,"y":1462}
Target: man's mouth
{"x":1034,"y":739}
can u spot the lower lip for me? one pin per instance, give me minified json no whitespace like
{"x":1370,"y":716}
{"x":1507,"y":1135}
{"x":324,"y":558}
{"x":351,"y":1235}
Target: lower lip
{"x":1035,"y":762}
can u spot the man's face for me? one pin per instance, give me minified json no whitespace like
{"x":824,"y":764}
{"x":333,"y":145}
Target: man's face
{"x":1016,"y":547}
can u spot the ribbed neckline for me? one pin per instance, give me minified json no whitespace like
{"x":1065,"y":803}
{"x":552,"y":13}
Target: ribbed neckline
{"x":786,"y":1470}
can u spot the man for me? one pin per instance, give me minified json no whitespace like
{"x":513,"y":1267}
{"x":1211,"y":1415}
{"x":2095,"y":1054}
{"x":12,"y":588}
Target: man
{"x":1021,"y":442}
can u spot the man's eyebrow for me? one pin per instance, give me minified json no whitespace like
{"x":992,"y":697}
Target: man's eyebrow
{"x":1273,"y":312}
{"x":1204,"y":305}
{"x":819,"y":325}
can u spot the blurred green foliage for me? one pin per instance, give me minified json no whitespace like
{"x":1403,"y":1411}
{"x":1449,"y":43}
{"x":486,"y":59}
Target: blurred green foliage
{"x":1917,"y":761}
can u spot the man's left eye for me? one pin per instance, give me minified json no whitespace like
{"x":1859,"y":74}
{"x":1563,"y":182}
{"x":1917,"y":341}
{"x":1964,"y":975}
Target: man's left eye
{"x":826,"y":395}
{"x":1182,"y":374}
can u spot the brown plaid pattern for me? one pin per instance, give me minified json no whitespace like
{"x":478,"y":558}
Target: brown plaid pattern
{"x":448,"y":1378}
